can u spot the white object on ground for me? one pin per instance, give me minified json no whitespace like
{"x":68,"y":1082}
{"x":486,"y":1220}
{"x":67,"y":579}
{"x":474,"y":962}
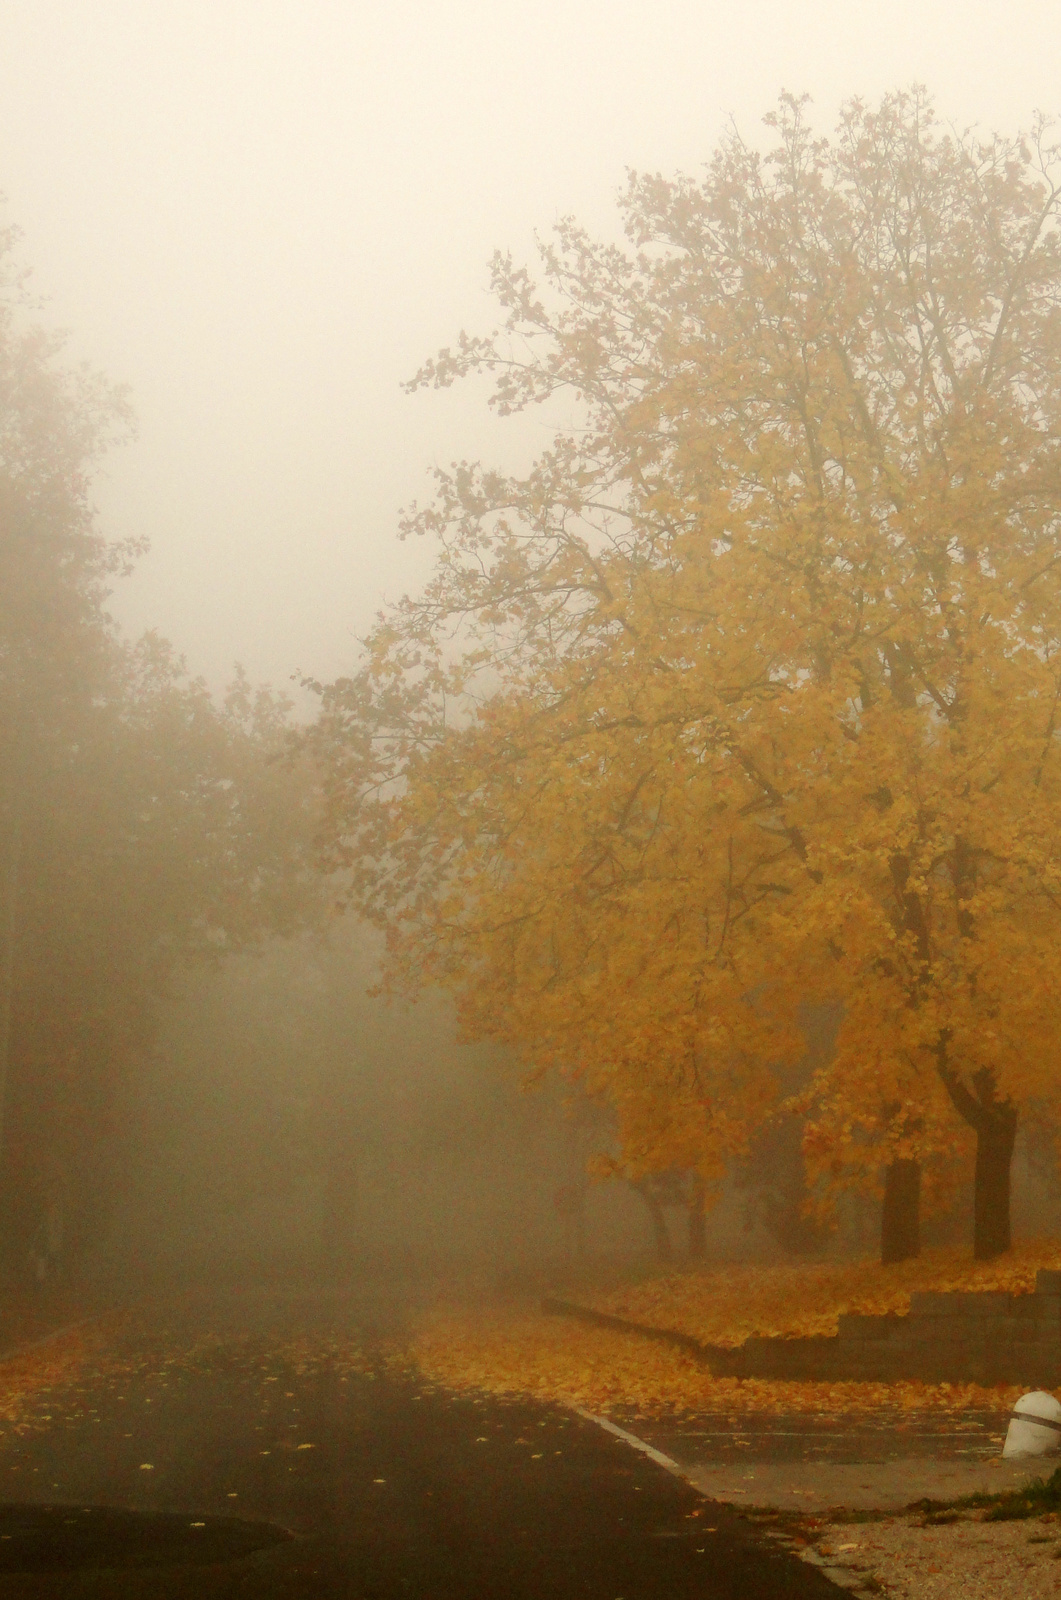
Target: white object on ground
{"x":1034,"y":1427}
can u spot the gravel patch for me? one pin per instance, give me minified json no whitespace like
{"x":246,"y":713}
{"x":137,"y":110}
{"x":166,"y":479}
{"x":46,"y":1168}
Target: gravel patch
{"x":963,"y":1560}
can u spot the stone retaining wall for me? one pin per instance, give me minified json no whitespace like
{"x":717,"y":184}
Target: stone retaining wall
{"x":982,"y":1338}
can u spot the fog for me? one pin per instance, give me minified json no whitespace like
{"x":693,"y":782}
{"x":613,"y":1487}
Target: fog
{"x":290,"y":1128}
{"x":264,"y":217}
{"x":261,"y":218}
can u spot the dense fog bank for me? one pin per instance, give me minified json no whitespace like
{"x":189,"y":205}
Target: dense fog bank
{"x":291,"y":1125}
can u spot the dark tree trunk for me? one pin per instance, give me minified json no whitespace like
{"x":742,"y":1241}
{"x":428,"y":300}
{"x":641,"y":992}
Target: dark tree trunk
{"x":774,"y":1176}
{"x":995,"y":1137}
{"x":660,"y":1231}
{"x":900,"y":1233}
{"x":697,"y":1219}
{"x":994,"y":1122}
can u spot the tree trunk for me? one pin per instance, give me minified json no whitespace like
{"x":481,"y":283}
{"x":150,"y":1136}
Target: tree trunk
{"x":661,"y":1233}
{"x":900,"y":1233}
{"x":995,"y":1138}
{"x":994,"y":1122}
{"x":697,"y":1219}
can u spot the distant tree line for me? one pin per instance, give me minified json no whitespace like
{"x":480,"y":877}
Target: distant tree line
{"x":297,"y":1125}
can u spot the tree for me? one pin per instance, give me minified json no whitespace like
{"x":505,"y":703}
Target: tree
{"x":745,"y":696}
{"x":142,"y":827}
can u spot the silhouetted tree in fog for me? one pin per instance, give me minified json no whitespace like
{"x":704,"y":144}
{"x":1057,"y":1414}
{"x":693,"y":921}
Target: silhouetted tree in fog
{"x":142,"y":827}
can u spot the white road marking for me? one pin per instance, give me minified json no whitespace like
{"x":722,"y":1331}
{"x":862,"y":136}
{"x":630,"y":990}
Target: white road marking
{"x":631,"y":1438}
{"x":841,"y":1576}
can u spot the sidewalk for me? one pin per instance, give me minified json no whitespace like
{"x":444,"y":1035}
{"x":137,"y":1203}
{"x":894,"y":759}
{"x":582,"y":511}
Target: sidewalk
{"x":858,"y":1520}
{"x":797,"y":1463}
{"x":859,"y":1486}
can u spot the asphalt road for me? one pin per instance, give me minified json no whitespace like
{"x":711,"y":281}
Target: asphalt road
{"x":270,"y":1450}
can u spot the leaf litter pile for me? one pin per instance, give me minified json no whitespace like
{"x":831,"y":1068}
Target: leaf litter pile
{"x":29,"y":1378}
{"x":513,"y":1349}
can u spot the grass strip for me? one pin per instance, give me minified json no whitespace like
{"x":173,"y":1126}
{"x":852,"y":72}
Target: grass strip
{"x":1033,"y":1499}
{"x":1012,"y":1505}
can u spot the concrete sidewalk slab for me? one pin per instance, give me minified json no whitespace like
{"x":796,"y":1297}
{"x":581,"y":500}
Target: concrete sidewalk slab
{"x":797,"y":1462}
{"x":868,"y":1486}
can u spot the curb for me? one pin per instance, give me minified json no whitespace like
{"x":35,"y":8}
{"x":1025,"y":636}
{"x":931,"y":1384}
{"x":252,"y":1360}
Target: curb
{"x":719,"y":1361}
{"x":841,"y":1576}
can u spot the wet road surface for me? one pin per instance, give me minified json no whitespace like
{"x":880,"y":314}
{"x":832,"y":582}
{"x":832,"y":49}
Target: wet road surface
{"x":287,"y":1411}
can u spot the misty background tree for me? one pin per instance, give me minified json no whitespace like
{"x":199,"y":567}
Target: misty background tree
{"x":191,"y":1075}
{"x":143,"y":828}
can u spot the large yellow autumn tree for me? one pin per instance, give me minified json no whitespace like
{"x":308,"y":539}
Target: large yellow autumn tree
{"x":746,"y":694}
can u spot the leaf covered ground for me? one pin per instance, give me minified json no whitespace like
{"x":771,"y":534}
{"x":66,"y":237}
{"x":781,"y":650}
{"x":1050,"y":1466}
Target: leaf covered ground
{"x":469,"y":1343}
{"x":515,"y":1349}
{"x":30,"y":1376}
{"x":519,"y":1351}
{"x":725,"y":1305}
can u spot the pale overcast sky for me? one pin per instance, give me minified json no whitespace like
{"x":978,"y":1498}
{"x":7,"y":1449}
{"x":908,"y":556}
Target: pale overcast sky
{"x":263,"y":215}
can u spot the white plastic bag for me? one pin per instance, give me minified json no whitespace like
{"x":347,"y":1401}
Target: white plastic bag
{"x":1034,"y":1427}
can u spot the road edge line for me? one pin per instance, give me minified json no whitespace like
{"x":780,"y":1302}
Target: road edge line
{"x":645,"y":1448}
{"x":842,"y":1577}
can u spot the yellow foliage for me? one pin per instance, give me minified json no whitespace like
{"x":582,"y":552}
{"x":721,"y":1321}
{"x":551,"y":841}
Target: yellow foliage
{"x":746,"y":695}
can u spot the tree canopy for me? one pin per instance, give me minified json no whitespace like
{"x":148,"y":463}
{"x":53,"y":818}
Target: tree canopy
{"x":745,"y":695}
